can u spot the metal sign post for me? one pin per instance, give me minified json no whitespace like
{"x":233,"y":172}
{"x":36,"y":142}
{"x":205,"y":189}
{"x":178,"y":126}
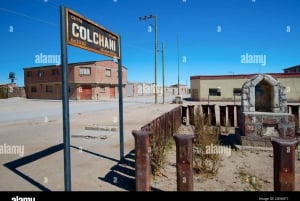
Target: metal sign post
{"x":80,"y":32}
{"x":120,"y":76}
{"x":65,"y":102}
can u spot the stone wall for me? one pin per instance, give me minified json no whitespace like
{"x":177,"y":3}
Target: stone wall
{"x":260,"y":124}
{"x":278,"y":96}
{"x":264,"y":112}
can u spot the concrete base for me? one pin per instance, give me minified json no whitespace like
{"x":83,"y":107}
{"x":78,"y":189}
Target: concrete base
{"x":256,"y":141}
{"x":267,"y":124}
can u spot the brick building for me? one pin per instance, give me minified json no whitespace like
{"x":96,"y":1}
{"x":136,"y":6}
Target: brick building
{"x":90,"y":80}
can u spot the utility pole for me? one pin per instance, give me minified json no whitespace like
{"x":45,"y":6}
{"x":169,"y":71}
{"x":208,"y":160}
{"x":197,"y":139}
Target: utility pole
{"x":178,"y":64}
{"x":155,"y":51}
{"x":163,"y":72}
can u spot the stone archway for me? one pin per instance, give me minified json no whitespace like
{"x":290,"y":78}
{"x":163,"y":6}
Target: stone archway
{"x":263,"y":93}
{"x":264,"y":111}
{"x":264,"y":97}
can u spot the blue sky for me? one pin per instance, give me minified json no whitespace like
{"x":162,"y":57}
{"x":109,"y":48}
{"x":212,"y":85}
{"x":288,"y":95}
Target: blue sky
{"x":213,"y":35}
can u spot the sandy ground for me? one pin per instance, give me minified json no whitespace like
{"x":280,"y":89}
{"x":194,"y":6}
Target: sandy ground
{"x":247,"y":169}
{"x":95,"y":164}
{"x":94,"y":156}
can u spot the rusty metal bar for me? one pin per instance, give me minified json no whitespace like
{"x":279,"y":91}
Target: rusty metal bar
{"x":163,"y":128}
{"x":191,"y":114}
{"x":184,"y":162}
{"x":173,"y":114}
{"x":177,"y":117}
{"x":173,"y":122}
{"x":212,"y":114}
{"x":238,"y":111}
{"x":167,"y":125}
{"x":142,"y":160}
{"x":205,"y":111}
{"x":284,"y":163}
{"x":231,"y":115}
{"x":223,"y":119}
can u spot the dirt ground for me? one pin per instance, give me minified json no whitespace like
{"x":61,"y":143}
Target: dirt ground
{"x":95,"y":155}
{"x":247,"y":169}
{"x":95,"y":164}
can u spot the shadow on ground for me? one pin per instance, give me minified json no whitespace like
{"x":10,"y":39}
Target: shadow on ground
{"x":122,"y":174}
{"x":13,"y":165}
{"x":93,"y":153}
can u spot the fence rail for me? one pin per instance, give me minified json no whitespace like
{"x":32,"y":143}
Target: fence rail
{"x":163,"y":127}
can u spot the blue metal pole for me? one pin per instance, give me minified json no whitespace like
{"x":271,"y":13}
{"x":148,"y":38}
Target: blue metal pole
{"x":65,"y":102}
{"x":120,"y":76}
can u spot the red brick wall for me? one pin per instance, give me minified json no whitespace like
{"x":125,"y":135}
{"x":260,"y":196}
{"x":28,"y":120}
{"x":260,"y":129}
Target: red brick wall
{"x":47,"y":75}
{"x":41,"y":91}
{"x":98,"y":70}
{"x":96,"y":79}
{"x":76,"y":77}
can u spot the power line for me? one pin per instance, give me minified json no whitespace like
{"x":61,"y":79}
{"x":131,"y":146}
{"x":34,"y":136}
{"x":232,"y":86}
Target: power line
{"x":49,"y":3}
{"x":27,"y":16}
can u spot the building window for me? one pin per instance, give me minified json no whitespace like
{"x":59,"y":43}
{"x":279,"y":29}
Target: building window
{"x":29,"y":74}
{"x":215,"y":92}
{"x":49,"y":89}
{"x":237,"y":91}
{"x":85,"y":71}
{"x":40,"y":73}
{"x":55,"y":72}
{"x":102,"y":89}
{"x":108,"y":72}
{"x":33,"y":90}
